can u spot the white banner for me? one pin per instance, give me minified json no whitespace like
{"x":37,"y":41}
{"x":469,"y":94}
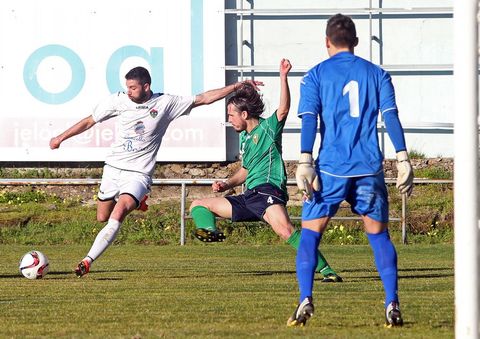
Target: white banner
{"x":60,"y":58}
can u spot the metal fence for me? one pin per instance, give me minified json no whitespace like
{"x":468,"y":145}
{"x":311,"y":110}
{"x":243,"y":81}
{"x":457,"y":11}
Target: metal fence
{"x":183,"y":183}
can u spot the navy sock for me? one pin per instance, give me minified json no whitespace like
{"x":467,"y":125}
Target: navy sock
{"x":307,"y":261}
{"x":386,"y":262}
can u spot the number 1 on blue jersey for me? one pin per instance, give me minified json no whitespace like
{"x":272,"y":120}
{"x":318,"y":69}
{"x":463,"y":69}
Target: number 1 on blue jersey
{"x":352,"y":89}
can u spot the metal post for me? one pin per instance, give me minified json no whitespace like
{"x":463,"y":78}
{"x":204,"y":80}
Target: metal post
{"x":370,"y":30}
{"x":241,"y":41}
{"x":404,"y":219}
{"x":182,"y":214}
{"x":466,"y":169}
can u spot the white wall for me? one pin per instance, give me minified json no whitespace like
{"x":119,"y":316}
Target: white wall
{"x":424,"y":97}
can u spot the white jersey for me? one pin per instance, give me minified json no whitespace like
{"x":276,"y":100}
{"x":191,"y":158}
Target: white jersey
{"x":141,"y":127}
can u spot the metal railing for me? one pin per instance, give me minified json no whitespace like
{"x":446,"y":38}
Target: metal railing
{"x":290,"y":182}
{"x":203,"y":182}
{"x":369,"y":13}
{"x":301,"y":69}
{"x":346,"y":11}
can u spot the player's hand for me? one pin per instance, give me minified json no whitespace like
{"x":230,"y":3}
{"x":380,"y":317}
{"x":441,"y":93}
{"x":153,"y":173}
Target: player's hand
{"x":405,"y":173}
{"x":285,"y":67}
{"x":306,"y":176}
{"x":55,"y":143}
{"x":220,"y":186}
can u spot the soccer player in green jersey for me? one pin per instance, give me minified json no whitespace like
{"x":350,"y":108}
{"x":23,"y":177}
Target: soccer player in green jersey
{"x":262,"y":171}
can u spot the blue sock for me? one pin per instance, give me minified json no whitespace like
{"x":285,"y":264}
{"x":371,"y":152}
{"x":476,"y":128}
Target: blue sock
{"x":386,"y":262}
{"x":307,"y":261}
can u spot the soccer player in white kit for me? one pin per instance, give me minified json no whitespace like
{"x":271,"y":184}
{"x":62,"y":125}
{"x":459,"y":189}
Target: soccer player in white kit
{"x":144,"y":117}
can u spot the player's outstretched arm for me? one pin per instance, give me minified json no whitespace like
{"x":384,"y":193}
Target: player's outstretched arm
{"x":213,"y":95}
{"x":284,"y":105}
{"x":237,"y":179}
{"x":78,"y":128}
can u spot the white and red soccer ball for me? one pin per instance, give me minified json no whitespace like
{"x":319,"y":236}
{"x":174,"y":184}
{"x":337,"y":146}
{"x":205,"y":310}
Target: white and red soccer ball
{"x":34,"y":265}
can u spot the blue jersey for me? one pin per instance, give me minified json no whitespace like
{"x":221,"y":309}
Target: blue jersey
{"x":346,"y":93}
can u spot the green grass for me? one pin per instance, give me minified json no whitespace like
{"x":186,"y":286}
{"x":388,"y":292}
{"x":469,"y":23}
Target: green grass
{"x":54,"y":171}
{"x":433,"y":173}
{"x":242,"y":288}
{"x":220,"y":290}
{"x":33,"y":216}
{"x":414,"y":154}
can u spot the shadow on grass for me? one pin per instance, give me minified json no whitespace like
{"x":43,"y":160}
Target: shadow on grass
{"x":426,"y":269}
{"x":353,"y":270}
{"x":371,"y":277}
{"x":11,"y":276}
{"x":69,"y":273}
{"x":264,"y":272}
{"x":426,"y":276}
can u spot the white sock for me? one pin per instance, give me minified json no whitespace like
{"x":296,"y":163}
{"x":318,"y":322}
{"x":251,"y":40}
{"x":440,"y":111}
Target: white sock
{"x":104,"y":239}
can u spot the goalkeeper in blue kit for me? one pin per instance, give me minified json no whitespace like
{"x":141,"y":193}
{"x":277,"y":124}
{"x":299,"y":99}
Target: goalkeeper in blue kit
{"x":343,"y":97}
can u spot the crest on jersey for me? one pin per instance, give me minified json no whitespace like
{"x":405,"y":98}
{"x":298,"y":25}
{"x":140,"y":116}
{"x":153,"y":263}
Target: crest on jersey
{"x":255,"y":139}
{"x":153,"y":113}
{"x":139,"y":127}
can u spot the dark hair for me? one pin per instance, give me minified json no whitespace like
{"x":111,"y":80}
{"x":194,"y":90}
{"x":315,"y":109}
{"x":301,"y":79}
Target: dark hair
{"x":246,"y":98}
{"x":140,"y":74}
{"x":341,"y":31}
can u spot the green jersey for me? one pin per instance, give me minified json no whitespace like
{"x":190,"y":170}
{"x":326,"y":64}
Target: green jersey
{"x":261,"y":152}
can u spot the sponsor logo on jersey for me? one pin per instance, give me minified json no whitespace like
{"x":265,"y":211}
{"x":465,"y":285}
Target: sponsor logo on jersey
{"x":142,"y":107}
{"x":153,"y":113}
{"x":139,"y":127}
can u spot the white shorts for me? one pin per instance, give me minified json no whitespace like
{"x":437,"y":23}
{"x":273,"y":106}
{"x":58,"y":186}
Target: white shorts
{"x":116,"y":181}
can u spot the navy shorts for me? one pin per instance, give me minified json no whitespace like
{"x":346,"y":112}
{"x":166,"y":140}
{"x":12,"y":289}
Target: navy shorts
{"x":252,"y":204}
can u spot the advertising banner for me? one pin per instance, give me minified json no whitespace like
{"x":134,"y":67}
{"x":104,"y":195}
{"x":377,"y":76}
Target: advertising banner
{"x":60,"y":58}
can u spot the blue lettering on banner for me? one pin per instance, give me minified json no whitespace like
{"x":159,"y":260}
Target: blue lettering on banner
{"x":30,"y":74}
{"x":154,"y":57}
{"x":196,"y":32}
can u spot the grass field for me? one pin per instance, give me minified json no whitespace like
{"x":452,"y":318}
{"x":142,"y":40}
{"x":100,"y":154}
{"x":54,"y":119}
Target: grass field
{"x":219,"y":290}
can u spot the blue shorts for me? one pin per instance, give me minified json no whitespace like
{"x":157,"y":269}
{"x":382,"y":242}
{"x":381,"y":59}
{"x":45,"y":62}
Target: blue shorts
{"x":252,"y":204}
{"x":366,"y":196}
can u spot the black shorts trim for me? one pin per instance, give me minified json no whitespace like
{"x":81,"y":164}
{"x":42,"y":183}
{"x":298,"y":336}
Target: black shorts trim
{"x":136,"y":201}
{"x":107,"y":199}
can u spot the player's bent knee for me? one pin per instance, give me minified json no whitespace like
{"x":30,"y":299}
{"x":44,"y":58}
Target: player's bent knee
{"x":196,"y":203}
{"x":283,"y":231}
{"x":285,"y":235}
{"x":102,"y":218}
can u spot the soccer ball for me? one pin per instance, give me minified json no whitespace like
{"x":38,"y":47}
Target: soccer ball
{"x":34,"y":265}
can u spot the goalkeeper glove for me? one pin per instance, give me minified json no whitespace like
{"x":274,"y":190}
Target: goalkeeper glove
{"x":405,"y":173}
{"x":306,"y":175}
